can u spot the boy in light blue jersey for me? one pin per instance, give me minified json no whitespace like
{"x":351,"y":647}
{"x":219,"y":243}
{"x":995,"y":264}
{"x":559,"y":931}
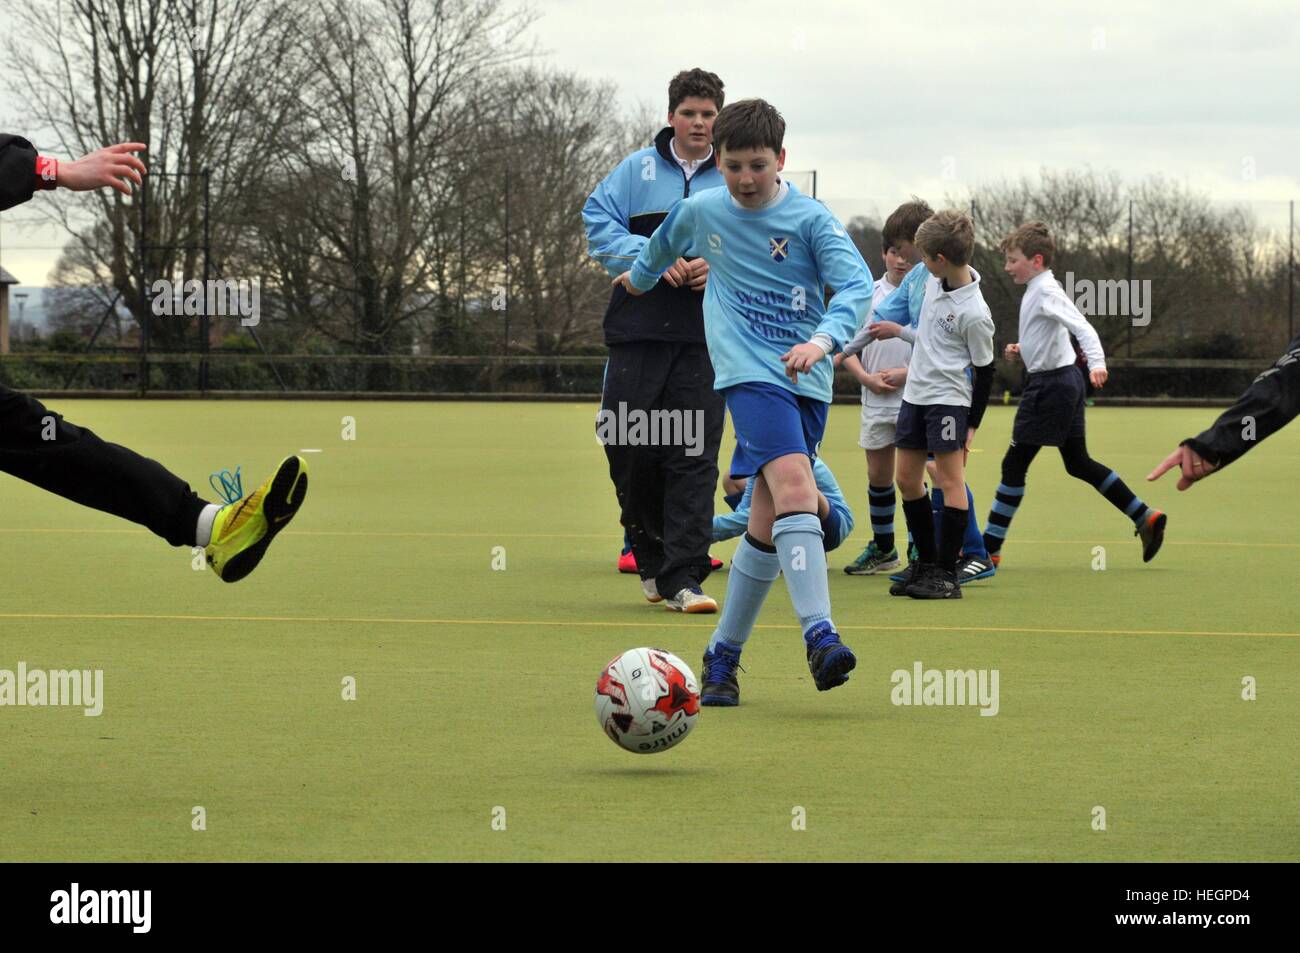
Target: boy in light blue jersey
{"x":832,"y":509}
{"x":771,"y":251}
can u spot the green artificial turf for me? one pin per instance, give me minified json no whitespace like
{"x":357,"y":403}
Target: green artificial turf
{"x":1119,"y":689}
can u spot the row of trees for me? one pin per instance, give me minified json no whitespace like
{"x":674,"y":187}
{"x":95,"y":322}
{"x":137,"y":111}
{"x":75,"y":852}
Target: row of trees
{"x":1215,"y":279}
{"x":402,"y":173}
{"x":394,"y":172}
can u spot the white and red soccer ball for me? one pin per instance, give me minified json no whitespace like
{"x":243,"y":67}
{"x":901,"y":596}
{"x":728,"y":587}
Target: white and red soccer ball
{"x":647,"y":700}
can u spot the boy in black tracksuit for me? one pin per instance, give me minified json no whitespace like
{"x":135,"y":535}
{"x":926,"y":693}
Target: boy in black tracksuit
{"x":658,"y":359}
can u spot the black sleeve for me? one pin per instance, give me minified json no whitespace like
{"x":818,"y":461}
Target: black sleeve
{"x":17,"y":170}
{"x":1267,"y":406}
{"x":979,"y":398}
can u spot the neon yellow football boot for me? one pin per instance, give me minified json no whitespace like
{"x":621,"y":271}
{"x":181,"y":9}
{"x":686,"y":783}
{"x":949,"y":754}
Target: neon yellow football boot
{"x":245,"y":526}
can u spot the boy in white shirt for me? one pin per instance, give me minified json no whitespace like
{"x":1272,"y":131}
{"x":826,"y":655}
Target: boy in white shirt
{"x":1051,"y":407}
{"x":942,"y":406}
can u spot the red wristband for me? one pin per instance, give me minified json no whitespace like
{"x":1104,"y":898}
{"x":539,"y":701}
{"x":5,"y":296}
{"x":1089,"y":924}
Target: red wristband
{"x":47,"y":172}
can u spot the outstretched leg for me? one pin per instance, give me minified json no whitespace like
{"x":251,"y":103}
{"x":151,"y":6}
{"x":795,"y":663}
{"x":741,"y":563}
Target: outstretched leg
{"x":1149,"y":524}
{"x":39,"y":446}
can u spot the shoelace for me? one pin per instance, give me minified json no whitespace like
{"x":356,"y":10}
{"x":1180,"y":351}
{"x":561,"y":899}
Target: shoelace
{"x":231,"y":486}
{"x":720,"y":667}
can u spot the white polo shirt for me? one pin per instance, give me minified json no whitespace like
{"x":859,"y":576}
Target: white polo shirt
{"x":1047,"y":319}
{"x":688,"y":165}
{"x":882,"y":356}
{"x":955,"y":332}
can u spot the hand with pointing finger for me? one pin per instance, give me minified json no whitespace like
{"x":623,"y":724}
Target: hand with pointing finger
{"x":1192,"y":467}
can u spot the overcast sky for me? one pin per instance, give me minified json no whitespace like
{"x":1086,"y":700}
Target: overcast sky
{"x":929,"y":98}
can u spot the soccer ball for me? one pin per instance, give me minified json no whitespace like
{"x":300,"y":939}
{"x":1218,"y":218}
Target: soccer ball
{"x":647,"y":700}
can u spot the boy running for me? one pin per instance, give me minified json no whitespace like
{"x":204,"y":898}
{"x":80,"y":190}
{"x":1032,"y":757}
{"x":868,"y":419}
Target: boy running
{"x":1051,"y":407}
{"x":771,"y":251}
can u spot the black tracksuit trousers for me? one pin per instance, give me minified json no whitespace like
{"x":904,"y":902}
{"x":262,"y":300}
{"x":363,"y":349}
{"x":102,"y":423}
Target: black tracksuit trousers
{"x":39,"y":446}
{"x":665,"y":493}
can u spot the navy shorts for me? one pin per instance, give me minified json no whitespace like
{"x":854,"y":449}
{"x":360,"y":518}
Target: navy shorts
{"x":772,"y":422}
{"x":939,"y":428}
{"x":1051,"y":408}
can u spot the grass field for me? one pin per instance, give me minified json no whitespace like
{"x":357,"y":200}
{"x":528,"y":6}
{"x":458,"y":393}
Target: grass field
{"x":1118,"y":688}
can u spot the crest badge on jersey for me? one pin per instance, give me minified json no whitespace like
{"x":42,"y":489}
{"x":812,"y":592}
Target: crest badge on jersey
{"x":778,"y":248}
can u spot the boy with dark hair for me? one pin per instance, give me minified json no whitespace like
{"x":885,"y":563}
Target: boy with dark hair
{"x":942,"y":405}
{"x":1051,"y":407}
{"x":39,"y":446}
{"x":658,"y":360}
{"x":882,"y":371}
{"x":771,"y":251}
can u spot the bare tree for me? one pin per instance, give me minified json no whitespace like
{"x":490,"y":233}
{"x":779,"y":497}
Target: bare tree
{"x":363,"y":219}
{"x":203,"y":82}
{"x":559,"y":143}
{"x":1202,"y":263}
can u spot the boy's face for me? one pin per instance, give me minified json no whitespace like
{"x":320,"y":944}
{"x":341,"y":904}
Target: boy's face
{"x":899,"y":259}
{"x":1021,"y":269}
{"x":692,"y":123}
{"x":751,"y":174}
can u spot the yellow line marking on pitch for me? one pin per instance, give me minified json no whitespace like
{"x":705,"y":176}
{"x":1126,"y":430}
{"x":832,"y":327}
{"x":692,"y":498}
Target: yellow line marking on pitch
{"x":511,"y":534}
{"x":675,"y":621}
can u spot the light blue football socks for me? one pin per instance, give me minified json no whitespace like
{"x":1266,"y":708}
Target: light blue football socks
{"x":752,"y":573}
{"x":798,"y":540}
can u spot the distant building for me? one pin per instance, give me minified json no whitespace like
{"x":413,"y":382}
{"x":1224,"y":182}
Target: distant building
{"x":6,"y":280}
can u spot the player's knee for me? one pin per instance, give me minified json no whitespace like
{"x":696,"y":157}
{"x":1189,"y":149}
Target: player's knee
{"x":952,"y":485}
{"x":1014,"y":468}
{"x":791,"y":483}
{"x":1080,"y":466}
{"x":911,"y":485}
{"x":880,"y":467}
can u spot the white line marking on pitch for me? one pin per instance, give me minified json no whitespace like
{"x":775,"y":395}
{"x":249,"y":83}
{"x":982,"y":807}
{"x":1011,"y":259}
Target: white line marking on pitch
{"x":309,"y":450}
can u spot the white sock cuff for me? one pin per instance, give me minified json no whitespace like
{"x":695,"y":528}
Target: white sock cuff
{"x":203,"y":534}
